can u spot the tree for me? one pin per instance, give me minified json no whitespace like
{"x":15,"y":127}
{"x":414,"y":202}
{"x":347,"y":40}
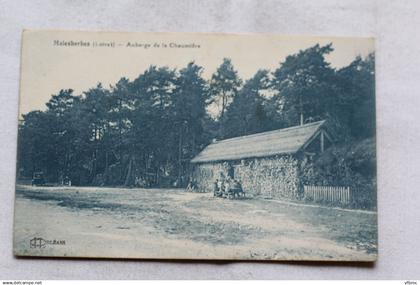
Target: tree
{"x":224,"y":85}
{"x":60,"y":103}
{"x":247,"y":114}
{"x":305,"y":85}
{"x":34,"y":144}
{"x":95,"y":122}
{"x":120,"y":106}
{"x":356,"y":85}
{"x":61,"y":133}
{"x":190,"y":97}
{"x":152,"y":136}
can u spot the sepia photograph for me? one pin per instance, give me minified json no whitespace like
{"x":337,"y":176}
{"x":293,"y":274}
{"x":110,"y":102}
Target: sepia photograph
{"x":196,"y":146}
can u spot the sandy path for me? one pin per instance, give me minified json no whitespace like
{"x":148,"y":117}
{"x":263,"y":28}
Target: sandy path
{"x":159,"y":223}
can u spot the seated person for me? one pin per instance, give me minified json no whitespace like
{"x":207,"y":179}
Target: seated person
{"x":216,"y":188}
{"x":237,"y":188}
{"x":190,"y":186}
{"x":227,"y":187}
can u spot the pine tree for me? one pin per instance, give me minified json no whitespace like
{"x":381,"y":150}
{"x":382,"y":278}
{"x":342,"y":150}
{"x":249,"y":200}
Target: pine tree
{"x":246,"y":114}
{"x":224,"y":85}
{"x":305,"y":85}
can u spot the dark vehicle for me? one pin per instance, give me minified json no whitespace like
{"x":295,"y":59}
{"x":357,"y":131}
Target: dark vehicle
{"x":38,"y":179}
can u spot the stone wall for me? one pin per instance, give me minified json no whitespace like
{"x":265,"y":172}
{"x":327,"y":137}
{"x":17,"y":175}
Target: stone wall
{"x":275,"y":177}
{"x":206,"y":174}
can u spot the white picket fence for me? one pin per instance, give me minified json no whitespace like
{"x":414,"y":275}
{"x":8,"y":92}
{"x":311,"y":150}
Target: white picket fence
{"x":341,"y":195}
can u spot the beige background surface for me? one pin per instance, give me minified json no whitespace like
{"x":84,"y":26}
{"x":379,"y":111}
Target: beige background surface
{"x":393,"y":23}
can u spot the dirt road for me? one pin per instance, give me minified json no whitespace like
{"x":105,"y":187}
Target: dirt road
{"x":170,"y":223}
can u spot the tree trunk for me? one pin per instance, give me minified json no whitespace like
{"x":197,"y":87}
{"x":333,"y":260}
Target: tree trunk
{"x":222,"y":115}
{"x":180,"y":155}
{"x":106,"y":174}
{"x":223,"y":107}
{"x":129,"y":172}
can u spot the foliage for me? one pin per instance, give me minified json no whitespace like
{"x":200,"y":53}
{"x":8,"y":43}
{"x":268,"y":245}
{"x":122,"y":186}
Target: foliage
{"x":224,"y":85}
{"x":356,"y":86}
{"x":246,"y":113}
{"x":305,"y":84}
{"x":145,"y":131}
{"x":350,"y":164}
{"x":308,"y":87}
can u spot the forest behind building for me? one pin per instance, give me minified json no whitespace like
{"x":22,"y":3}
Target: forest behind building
{"x":148,"y":129}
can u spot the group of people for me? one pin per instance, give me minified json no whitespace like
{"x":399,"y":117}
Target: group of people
{"x":222,"y":187}
{"x":228,"y":188}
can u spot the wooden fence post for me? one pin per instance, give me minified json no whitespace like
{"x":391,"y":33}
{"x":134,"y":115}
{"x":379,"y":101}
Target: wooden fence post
{"x":340,"y":194}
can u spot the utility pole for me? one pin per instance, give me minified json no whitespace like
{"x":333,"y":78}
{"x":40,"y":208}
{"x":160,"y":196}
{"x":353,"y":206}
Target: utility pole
{"x":301,"y":109}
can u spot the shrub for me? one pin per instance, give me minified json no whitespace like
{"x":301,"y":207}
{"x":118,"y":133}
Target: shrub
{"x":349,"y":164}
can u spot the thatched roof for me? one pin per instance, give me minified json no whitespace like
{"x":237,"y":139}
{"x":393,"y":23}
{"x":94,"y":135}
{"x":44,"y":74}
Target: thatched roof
{"x":283,"y":141}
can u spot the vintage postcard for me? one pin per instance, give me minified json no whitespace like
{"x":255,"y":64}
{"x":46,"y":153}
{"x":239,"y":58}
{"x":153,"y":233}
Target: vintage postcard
{"x":196,"y":146}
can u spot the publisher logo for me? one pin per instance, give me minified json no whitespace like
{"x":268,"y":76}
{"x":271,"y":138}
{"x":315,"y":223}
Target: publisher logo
{"x":38,"y":242}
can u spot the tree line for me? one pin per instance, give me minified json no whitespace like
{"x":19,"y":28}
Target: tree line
{"x":145,"y":131}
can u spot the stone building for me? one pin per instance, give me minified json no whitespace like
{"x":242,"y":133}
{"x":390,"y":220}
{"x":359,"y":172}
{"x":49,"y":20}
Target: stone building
{"x":266,"y":164}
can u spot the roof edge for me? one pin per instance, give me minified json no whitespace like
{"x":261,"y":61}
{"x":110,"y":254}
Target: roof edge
{"x":250,"y":157}
{"x":322,"y":122}
{"x":319,"y":123}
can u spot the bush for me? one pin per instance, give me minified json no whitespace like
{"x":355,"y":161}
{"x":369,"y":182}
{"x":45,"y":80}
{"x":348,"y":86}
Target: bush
{"x":350,"y":164}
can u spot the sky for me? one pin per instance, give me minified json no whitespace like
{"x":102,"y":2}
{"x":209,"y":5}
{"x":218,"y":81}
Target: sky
{"x":54,"y":60}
